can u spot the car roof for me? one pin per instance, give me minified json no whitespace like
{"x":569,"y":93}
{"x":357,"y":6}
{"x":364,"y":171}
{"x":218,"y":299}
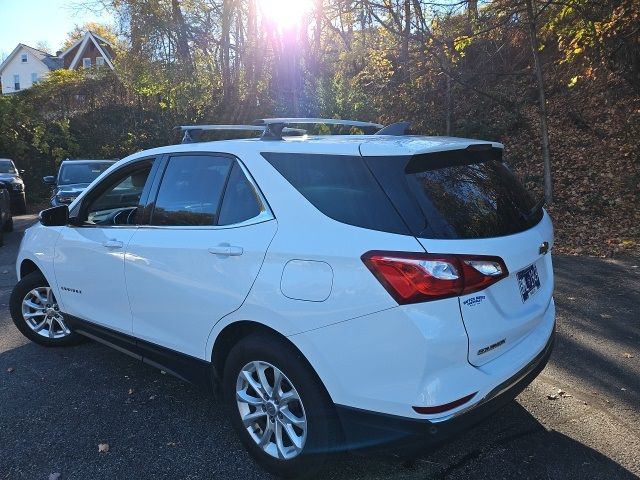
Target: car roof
{"x":68,"y":160}
{"x":353,"y":145}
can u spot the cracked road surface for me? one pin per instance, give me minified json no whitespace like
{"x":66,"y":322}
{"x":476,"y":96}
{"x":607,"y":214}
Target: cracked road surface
{"x":57,"y":405}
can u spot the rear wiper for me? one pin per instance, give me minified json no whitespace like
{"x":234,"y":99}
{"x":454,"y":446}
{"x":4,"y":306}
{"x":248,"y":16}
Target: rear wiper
{"x":535,"y":209}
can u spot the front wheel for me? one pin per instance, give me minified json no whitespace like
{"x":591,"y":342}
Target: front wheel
{"x":35,"y":311}
{"x":278,"y":407}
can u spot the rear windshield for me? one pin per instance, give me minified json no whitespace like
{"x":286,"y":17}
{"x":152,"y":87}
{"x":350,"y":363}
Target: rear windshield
{"x":458,"y":194}
{"x":469,"y":197}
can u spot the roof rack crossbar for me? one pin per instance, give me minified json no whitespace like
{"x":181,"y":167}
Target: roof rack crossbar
{"x":310,"y":121}
{"x":274,"y":128}
{"x":192,"y":132}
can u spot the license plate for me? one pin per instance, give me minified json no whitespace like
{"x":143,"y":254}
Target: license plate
{"x":529,"y":282}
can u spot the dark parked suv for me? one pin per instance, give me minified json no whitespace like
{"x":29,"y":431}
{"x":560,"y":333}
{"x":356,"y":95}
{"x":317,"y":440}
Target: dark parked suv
{"x":10,"y":176}
{"x":73,"y":177}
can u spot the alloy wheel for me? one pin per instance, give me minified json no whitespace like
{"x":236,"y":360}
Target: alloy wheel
{"x":271,"y":410}
{"x":42,"y":315}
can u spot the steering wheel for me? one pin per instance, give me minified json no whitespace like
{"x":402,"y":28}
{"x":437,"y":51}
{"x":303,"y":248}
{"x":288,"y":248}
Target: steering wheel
{"x":122,"y":217}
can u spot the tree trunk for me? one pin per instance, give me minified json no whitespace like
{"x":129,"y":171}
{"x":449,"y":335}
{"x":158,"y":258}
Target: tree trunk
{"x":225,"y":45}
{"x":182,"y":43}
{"x":449,"y":107}
{"x":544,"y":130}
{"x":472,"y":13}
{"x":406,"y":33}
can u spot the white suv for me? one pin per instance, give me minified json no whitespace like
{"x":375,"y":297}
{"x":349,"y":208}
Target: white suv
{"x":340,"y":291}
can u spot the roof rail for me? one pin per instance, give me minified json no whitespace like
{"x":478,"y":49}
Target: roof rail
{"x":274,"y":127}
{"x":192,"y":132}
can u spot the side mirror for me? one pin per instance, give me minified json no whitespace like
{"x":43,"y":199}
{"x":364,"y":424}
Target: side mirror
{"x":55,"y":216}
{"x":49,"y":180}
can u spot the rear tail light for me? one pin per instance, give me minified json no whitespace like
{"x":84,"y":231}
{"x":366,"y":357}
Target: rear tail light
{"x":421,"y":277}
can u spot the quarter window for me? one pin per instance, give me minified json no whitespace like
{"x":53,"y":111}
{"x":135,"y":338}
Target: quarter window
{"x":240,"y":202}
{"x":191,"y":191}
{"x":341,"y":187}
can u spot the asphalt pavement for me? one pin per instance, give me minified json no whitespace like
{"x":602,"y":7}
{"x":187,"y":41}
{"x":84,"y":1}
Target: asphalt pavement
{"x":579,"y":419}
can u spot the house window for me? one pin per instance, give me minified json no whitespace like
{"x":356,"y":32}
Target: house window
{"x":16,"y":82}
{"x":24,"y":58}
{"x":34,"y":78}
{"x":86,"y":62}
{"x":99,"y":61}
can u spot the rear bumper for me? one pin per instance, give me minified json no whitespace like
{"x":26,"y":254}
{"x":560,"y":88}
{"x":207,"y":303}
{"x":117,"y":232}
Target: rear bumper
{"x":370,"y":430}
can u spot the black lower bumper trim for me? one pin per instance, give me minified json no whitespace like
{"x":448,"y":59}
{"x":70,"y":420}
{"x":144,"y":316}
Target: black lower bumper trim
{"x":367,"y":430}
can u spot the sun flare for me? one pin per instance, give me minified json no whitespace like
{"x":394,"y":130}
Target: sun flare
{"x":285,"y":13}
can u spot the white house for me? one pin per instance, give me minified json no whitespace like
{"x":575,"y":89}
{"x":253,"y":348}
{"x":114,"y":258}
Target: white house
{"x":26,"y":66}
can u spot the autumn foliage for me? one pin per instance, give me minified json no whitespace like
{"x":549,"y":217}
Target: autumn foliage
{"x":450,"y":68}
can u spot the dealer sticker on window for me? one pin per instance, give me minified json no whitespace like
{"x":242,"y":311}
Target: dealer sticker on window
{"x":529,"y":282}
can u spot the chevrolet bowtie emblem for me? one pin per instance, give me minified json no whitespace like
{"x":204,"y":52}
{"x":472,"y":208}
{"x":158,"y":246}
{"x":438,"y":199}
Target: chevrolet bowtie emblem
{"x":544,"y":248}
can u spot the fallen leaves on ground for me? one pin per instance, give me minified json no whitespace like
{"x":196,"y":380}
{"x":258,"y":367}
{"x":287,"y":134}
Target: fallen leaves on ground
{"x":559,"y":394}
{"x":11,"y":370}
{"x":103,"y":448}
{"x":54,"y":476}
{"x":627,"y":355}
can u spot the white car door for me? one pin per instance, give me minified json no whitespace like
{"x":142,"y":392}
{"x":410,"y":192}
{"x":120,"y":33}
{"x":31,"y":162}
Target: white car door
{"x":89,"y":256}
{"x":196,"y":261}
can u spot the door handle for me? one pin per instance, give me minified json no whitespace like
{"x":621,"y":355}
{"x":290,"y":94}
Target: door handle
{"x":226,"y":250}
{"x":112,"y":244}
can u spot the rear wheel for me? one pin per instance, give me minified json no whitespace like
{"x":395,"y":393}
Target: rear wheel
{"x":278,"y":407}
{"x":35,"y":311}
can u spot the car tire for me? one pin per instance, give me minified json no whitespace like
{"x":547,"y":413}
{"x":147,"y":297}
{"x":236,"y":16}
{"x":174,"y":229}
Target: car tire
{"x":315,"y":419}
{"x":20,"y":206}
{"x":8,"y":225}
{"x":34,"y":311}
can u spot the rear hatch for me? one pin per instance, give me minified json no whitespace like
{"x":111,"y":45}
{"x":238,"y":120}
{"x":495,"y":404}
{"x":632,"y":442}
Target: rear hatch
{"x":467,"y":201}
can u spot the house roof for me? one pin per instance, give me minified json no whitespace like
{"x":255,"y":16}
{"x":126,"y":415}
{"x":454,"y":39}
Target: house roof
{"x":99,"y":42}
{"x":50,"y":61}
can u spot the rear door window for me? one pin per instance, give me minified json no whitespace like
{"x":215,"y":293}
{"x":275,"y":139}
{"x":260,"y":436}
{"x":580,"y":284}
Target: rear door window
{"x":191,"y":190}
{"x":341,"y":187}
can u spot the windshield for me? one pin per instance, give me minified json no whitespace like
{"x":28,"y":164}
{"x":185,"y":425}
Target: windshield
{"x":7,"y":167}
{"x":71,"y":173}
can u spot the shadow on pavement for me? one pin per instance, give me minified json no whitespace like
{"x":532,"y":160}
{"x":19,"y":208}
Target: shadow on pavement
{"x":59,"y":404}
